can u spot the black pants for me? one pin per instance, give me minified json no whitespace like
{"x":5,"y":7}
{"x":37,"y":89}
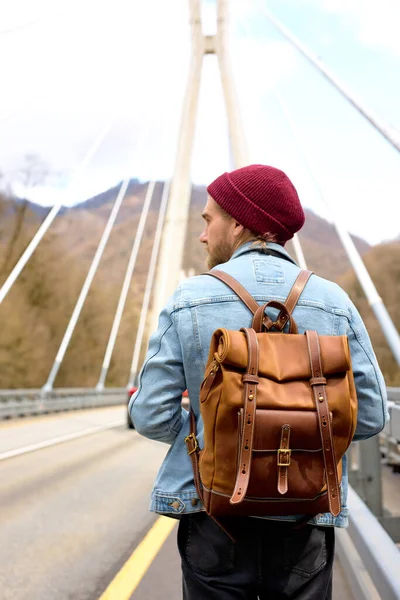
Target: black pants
{"x":270,"y":560}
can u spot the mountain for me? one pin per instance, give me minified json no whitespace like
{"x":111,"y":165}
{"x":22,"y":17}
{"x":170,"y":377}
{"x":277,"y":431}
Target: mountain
{"x":318,"y":237}
{"x":37,"y":310}
{"x":383,"y":265}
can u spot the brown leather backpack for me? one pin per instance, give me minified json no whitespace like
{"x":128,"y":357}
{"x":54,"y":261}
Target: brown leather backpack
{"x":279,"y":411}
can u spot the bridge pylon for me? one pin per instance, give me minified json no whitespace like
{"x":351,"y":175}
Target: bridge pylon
{"x":174,"y":233}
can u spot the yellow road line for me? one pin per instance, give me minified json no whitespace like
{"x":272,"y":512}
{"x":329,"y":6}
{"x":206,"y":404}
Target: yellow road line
{"x":126,"y":581}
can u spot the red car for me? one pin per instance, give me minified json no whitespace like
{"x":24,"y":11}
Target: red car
{"x":128,"y":417}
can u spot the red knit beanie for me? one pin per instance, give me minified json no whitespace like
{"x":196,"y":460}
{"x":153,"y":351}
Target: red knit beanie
{"x":261,"y":198}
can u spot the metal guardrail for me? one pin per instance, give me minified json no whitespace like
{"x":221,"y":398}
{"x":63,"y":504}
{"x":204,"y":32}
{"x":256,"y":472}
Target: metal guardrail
{"x":394,"y":394}
{"x":30,"y":402}
{"x":389,"y":437}
{"x":372,"y":569}
{"x":367,"y":553}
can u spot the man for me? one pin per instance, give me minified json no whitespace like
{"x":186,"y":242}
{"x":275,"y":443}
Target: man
{"x":250,"y":214}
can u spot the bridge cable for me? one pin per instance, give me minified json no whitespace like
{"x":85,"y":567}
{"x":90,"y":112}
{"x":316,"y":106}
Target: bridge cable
{"x":388,"y":132}
{"x":131,"y":264}
{"x":89,"y":279}
{"x":53,"y":213}
{"x":125,"y":287}
{"x":298,"y":250}
{"x":374,"y":300}
{"x":86,"y":286}
{"x":149,"y":285}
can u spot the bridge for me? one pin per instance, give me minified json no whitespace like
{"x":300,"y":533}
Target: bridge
{"x":75,"y":479}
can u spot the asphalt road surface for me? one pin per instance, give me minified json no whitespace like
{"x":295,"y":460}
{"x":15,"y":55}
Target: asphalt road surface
{"x":74,"y":496}
{"x":72,"y":513}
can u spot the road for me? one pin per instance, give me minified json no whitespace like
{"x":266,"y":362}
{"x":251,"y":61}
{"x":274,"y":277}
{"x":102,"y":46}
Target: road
{"x":73,"y":512}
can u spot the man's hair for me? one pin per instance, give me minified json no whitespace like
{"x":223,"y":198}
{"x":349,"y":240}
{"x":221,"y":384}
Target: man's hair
{"x":223,"y":212}
{"x":260,"y":241}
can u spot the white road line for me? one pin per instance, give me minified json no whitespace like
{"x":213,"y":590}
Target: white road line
{"x":59,"y":440}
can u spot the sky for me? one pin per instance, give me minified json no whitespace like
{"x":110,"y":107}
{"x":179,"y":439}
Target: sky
{"x":72,"y":70}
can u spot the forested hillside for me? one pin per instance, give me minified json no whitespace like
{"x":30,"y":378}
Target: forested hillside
{"x":36,"y":312}
{"x":383,"y":264}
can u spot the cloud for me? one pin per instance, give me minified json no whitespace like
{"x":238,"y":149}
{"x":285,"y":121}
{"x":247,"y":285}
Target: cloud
{"x":276,"y":59}
{"x":129,"y":60}
{"x":374,"y":23}
{"x":69,"y":74}
{"x":66,"y":77}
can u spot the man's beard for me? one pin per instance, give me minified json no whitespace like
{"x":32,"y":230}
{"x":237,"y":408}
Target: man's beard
{"x":221,"y":254}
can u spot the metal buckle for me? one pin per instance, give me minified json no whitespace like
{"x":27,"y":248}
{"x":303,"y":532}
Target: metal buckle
{"x":284,"y":455}
{"x":191,"y":438}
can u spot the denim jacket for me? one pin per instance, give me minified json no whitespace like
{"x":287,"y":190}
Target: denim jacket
{"x":178,"y":353}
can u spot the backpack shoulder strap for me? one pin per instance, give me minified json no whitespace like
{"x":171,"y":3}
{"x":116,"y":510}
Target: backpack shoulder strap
{"x":249,"y":301}
{"x":231,"y":282}
{"x":297,"y":289}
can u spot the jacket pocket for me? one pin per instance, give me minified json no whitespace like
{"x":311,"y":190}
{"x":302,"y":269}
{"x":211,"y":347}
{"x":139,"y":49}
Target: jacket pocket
{"x":307,"y":550}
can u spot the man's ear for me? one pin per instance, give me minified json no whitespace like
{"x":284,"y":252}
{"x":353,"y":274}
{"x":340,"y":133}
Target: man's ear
{"x":238,"y":230}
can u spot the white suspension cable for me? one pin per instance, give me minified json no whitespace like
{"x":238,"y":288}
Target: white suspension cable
{"x":131,"y":263}
{"x":52,"y":214}
{"x":86,"y":286}
{"x":125,"y":286}
{"x":389,"y":133}
{"x":149,"y":285}
{"x":299,"y":252}
{"x":375,"y":301}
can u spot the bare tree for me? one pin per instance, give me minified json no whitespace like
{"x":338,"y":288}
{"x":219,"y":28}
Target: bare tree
{"x":33,"y":172}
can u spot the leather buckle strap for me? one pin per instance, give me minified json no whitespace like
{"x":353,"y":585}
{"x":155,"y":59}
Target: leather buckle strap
{"x":318,"y":381}
{"x":209,"y":377}
{"x":250,"y":404}
{"x":284,"y":457}
{"x":247,"y":378}
{"x":192,"y":447}
{"x":193,"y":450}
{"x":325,"y":427}
{"x":191,"y":443}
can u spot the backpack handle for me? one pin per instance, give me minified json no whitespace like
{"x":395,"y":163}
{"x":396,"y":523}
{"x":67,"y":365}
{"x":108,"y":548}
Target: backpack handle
{"x":261,"y":320}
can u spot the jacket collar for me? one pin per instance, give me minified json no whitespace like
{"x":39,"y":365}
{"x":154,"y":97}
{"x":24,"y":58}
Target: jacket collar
{"x":249,"y":247}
